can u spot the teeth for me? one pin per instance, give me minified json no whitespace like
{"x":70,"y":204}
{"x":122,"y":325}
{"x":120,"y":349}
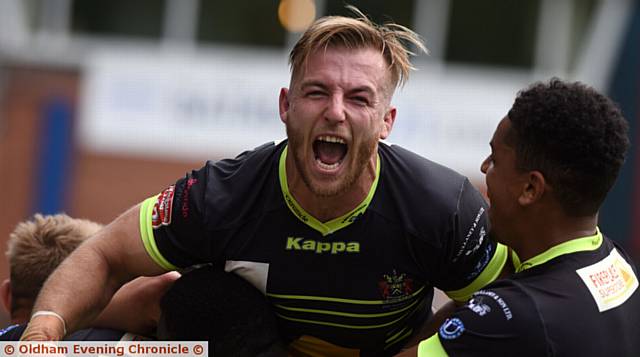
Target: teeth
{"x":327,"y":166}
{"x":331,"y":139}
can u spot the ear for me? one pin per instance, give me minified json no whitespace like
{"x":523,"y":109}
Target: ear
{"x":532,"y":189}
{"x":283,"y":104}
{"x":5,"y":295}
{"x":388,"y":120}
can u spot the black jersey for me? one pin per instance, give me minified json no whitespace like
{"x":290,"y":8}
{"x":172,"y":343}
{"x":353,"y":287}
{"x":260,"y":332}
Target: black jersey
{"x":357,"y":284}
{"x":579,"y":298}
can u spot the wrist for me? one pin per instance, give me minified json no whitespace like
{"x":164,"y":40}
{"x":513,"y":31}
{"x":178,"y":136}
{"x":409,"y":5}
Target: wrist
{"x":45,"y":326}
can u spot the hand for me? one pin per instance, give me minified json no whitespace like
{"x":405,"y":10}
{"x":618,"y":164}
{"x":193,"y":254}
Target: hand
{"x":136,"y":305}
{"x":43,"y":328}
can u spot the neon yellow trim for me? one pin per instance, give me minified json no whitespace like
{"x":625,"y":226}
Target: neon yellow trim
{"x":347,"y":314}
{"x":489,"y":274}
{"x":356,"y":327}
{"x":334,"y":224}
{"x":515,"y":260}
{"x":346,"y":301}
{"x":431,"y":347}
{"x":146,"y":234}
{"x":575,"y":245}
{"x":397,"y":337}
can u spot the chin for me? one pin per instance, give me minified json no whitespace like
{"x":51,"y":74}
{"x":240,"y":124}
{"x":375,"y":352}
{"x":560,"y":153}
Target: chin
{"x":331,"y":189}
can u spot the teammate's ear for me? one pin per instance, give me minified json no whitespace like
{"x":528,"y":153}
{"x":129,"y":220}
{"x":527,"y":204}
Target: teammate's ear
{"x":533,"y":188}
{"x":5,"y":295}
{"x":388,"y":120}
{"x":283,"y":104}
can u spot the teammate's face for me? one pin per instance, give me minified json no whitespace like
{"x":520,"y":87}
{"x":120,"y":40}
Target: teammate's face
{"x":504,"y":182}
{"x":335,"y":112}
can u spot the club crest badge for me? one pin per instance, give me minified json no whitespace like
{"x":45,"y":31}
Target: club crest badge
{"x":394,"y":286}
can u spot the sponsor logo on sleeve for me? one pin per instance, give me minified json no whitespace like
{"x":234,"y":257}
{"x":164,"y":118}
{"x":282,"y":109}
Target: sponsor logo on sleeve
{"x":478,"y":306}
{"x":610,"y":281}
{"x":499,"y":300}
{"x":465,"y":248}
{"x":452,"y":328}
{"x":161,"y":215}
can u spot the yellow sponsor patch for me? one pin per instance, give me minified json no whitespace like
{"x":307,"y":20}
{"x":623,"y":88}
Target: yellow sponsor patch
{"x":611,"y":281}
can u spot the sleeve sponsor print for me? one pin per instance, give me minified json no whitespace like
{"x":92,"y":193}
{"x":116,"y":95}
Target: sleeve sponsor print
{"x":161,"y":215}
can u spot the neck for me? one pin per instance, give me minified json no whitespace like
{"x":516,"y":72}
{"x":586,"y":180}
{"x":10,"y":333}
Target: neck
{"x":554,"y":231}
{"x":326,"y":208}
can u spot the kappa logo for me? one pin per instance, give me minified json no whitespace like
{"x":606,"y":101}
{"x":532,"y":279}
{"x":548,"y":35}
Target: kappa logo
{"x":610,"y":281}
{"x":161,"y":215}
{"x":395,"y":285}
{"x":310,"y":245}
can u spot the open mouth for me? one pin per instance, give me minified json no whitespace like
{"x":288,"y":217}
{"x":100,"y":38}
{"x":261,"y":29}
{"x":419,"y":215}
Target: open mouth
{"x":329,"y":151}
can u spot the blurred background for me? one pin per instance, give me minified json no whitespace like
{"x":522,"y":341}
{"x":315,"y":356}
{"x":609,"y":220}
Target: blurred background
{"x":106,"y":102}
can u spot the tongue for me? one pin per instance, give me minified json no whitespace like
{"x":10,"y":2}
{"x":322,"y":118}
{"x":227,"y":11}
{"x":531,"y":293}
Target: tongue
{"x":329,"y":153}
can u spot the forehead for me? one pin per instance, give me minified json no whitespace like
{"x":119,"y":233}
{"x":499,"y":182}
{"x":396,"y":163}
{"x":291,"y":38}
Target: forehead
{"x":500,"y":135}
{"x":345,"y":67}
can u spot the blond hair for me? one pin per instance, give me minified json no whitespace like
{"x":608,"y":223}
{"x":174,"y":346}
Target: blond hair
{"x":357,"y":33}
{"x":37,"y":247}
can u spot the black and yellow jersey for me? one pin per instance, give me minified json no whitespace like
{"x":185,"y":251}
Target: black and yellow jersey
{"x":579,"y":298}
{"x":358,"y":284}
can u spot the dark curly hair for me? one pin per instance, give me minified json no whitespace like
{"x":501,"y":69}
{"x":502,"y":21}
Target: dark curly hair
{"x":575,"y":136}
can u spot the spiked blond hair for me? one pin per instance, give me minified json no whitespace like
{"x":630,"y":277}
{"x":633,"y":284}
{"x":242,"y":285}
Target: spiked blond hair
{"x":36,"y":248}
{"x":356,"y":33}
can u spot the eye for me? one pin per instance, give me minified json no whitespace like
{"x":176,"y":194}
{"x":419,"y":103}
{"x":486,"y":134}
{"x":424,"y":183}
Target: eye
{"x":360,"y":100}
{"x":316,"y":93}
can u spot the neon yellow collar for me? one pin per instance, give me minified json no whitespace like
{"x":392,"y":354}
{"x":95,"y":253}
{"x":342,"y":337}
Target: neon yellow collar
{"x":336,"y":223}
{"x":575,"y":245}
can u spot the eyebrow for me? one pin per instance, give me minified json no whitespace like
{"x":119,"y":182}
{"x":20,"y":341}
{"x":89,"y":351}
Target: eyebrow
{"x":313,"y":84}
{"x":365,"y":89}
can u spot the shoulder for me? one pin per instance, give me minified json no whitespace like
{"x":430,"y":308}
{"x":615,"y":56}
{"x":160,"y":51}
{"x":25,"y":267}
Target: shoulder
{"x":500,"y":320}
{"x":248,"y":162}
{"x":426,"y":195}
{"x":421,"y":173}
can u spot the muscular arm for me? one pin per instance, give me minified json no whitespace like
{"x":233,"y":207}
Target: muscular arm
{"x":85,"y":282}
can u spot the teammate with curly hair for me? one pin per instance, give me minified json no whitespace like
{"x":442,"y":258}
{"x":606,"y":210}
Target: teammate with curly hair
{"x":553,"y":159}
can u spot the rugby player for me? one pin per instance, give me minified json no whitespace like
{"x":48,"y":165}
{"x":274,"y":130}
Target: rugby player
{"x":553,"y":159}
{"x":345,"y":235}
{"x":36,"y":247}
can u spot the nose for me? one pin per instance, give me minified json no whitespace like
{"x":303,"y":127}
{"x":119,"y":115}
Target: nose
{"x":485,"y":165}
{"x":335,"y":111}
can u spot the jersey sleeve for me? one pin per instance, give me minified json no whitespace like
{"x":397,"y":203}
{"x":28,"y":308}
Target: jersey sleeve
{"x":193,"y":221}
{"x":470,"y":259}
{"x":172,"y":223}
{"x":500,"y":322}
